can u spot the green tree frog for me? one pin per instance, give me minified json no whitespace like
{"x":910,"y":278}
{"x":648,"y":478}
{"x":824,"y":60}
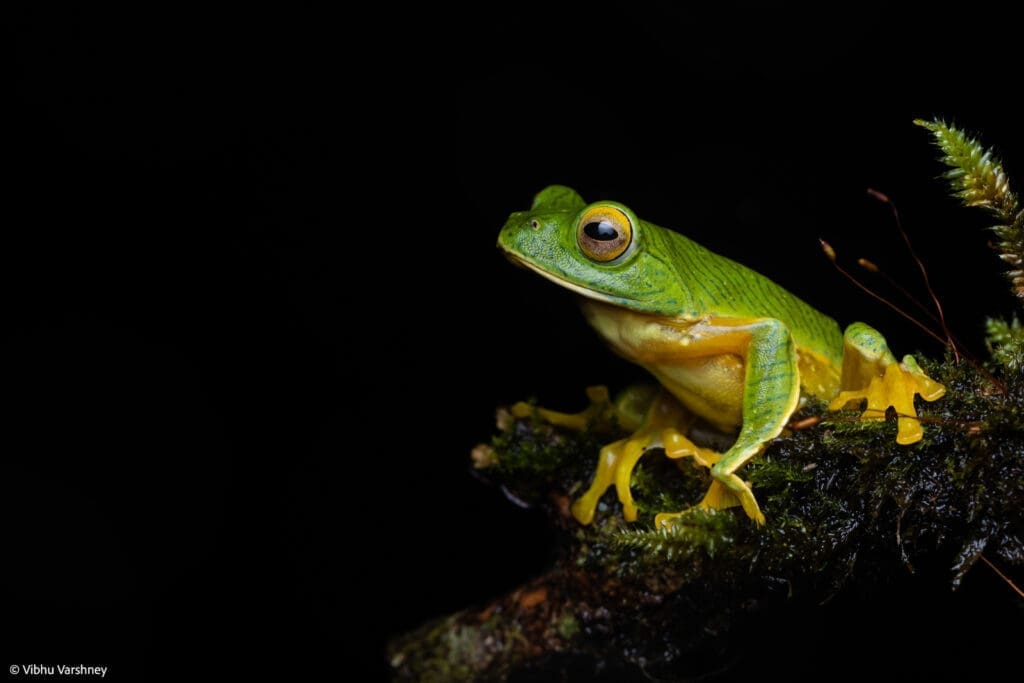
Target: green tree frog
{"x":725,"y":343}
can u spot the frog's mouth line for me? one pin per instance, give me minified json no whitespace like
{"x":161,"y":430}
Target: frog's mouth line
{"x":571,"y":286}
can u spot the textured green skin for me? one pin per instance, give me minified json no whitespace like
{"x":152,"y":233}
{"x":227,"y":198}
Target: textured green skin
{"x":663,"y":273}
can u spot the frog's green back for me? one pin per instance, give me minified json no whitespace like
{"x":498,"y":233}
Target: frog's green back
{"x":720,"y":286}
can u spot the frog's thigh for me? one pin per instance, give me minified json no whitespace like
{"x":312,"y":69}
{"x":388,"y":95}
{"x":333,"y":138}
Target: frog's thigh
{"x":871,"y":373}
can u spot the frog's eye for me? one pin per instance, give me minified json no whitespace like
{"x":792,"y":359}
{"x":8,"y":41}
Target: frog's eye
{"x":604,"y":233}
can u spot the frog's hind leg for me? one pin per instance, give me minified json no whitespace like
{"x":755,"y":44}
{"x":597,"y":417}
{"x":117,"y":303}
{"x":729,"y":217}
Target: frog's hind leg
{"x":871,"y":373}
{"x":665,"y":421}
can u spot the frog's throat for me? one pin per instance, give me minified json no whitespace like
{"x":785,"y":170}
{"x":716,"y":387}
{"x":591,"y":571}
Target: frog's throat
{"x":572,"y":286}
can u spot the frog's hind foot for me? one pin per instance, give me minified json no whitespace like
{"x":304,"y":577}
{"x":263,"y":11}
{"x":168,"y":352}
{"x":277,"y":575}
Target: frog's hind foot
{"x":894,"y":385}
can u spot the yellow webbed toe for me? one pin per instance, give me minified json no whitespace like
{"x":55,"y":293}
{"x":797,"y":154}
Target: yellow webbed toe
{"x":895,"y":389}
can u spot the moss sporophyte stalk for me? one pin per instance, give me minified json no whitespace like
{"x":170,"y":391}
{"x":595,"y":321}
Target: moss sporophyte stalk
{"x":775,"y":462}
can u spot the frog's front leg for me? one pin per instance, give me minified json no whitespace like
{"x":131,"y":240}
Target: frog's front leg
{"x":872,"y":373}
{"x":663,"y":425}
{"x":600,"y":410}
{"x":771,"y":392}
{"x":627,"y":412}
{"x":655,"y":419}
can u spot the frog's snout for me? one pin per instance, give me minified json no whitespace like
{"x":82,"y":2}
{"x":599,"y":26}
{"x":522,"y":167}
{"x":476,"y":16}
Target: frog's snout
{"x":503,"y":246}
{"x":506,"y":237}
{"x":528,"y":238}
{"x":510,"y":236}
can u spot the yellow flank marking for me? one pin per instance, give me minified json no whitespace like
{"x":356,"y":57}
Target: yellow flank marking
{"x":818,"y":377}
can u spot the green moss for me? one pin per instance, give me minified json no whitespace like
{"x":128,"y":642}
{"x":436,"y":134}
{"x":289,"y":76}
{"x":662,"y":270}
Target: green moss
{"x":527,"y":455}
{"x":568,"y":627}
{"x":977,"y":178}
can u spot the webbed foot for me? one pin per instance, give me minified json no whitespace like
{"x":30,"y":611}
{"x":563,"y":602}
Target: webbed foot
{"x":895,"y":388}
{"x":627,"y":411}
{"x":718,"y":497}
{"x":665,"y":416}
{"x":615,"y":466}
{"x":679,"y":446}
{"x":600,"y":409}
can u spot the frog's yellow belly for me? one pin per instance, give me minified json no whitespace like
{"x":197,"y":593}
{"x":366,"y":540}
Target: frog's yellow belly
{"x":711,"y":387}
{"x":705,"y":374}
{"x":700,"y":361}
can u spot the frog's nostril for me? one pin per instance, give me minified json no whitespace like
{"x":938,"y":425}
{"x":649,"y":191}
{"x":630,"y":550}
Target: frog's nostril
{"x":535,"y":224}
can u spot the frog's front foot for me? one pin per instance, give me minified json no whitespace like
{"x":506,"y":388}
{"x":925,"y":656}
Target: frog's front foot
{"x":719,"y":497}
{"x":617,"y":461}
{"x":615,"y":466}
{"x":895,"y":388}
{"x":660,"y":426}
{"x":663,"y":425}
{"x":600,"y":410}
{"x":679,"y":446}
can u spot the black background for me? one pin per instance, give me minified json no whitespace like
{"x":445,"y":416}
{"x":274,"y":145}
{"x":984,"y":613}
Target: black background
{"x":254,"y":319}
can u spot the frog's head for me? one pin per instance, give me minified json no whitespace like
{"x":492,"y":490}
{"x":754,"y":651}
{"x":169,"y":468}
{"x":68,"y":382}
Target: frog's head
{"x":601,"y":250}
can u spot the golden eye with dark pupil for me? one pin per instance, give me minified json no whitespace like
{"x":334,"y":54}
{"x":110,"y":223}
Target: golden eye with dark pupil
{"x":604,"y":233}
{"x":600,"y":230}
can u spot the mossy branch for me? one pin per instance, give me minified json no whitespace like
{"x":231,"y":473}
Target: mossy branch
{"x":848,"y":510}
{"x":978,"y":179}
